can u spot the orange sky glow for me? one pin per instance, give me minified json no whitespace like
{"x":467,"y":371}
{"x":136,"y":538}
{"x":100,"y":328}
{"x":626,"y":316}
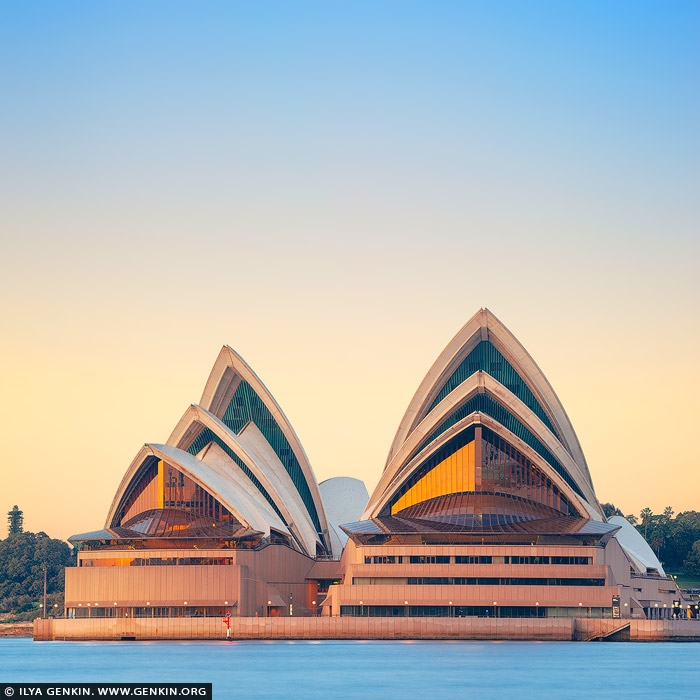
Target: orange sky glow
{"x":336,"y":217}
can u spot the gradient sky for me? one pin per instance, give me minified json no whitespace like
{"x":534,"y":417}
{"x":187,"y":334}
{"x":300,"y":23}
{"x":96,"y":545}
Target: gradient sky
{"x":333,"y":189}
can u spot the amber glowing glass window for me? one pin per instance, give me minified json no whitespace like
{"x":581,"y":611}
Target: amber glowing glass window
{"x":480,"y":462}
{"x":484,"y":403}
{"x":454,"y":474}
{"x":144,"y":493}
{"x":164,"y":491}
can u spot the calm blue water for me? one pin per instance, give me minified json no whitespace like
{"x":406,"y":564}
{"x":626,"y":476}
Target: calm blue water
{"x":387,"y":670}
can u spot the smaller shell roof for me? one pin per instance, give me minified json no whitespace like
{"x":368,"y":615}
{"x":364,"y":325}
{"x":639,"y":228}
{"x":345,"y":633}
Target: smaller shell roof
{"x":229,"y":370}
{"x":214,"y":477}
{"x":344,"y":499}
{"x":636,"y":547}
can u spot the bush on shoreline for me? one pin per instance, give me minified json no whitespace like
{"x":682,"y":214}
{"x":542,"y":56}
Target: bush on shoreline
{"x":23,"y":556}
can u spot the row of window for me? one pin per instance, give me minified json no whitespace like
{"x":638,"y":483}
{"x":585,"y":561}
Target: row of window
{"x":151,"y":611}
{"x":580,"y":561}
{"x":420,"y":559}
{"x":470,"y":611}
{"x":459,"y":559}
{"x":473,"y":581}
{"x":160,"y":561}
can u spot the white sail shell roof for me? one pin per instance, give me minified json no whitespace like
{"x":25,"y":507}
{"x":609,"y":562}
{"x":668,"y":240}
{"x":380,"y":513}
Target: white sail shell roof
{"x":228,"y":371}
{"x":422,"y":418}
{"x":213,"y":476}
{"x":636,"y":547}
{"x":254,"y":451}
{"x":242,"y":469}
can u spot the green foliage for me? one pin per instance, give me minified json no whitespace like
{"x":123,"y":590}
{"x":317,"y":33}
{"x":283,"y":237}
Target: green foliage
{"x":15,"y":521}
{"x":671,"y":538}
{"x":683,"y":532}
{"x":610,"y":510}
{"x":691,"y":565}
{"x":645,"y":516}
{"x":22,"y":556}
{"x":656,"y":528}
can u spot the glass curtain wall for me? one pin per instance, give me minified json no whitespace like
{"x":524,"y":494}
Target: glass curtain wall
{"x":481,"y":462}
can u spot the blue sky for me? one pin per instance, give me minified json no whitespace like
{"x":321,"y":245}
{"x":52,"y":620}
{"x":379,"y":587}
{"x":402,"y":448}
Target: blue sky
{"x":334,"y":188}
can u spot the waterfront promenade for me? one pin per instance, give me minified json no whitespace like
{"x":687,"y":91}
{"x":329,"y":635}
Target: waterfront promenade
{"x":535,"y":629}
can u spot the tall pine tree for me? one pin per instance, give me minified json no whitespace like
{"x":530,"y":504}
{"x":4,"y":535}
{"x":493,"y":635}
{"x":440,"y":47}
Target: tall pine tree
{"x":15,"y":521}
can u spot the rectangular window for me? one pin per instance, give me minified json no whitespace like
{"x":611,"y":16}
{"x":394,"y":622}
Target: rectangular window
{"x":475,"y":581}
{"x":429,"y":559}
{"x":389,"y":559}
{"x":473,"y":560}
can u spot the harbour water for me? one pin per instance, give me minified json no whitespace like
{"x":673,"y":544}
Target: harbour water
{"x":383,"y":669}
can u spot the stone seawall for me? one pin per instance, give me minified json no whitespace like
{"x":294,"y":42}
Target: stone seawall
{"x":16,"y":629}
{"x":249,"y":628}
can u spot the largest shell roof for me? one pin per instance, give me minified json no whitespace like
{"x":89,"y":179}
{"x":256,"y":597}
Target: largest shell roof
{"x":518,"y":402}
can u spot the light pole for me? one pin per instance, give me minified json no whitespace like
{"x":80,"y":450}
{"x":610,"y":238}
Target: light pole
{"x":315,"y":610}
{"x":44,"y":567}
{"x":495,"y":609}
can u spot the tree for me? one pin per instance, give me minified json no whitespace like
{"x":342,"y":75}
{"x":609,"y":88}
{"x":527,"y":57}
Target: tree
{"x":22,"y":559}
{"x":691,"y":566}
{"x":657,"y":528}
{"x":683,"y":532}
{"x":631,"y":518}
{"x":15,"y":521}
{"x":610,"y":510}
{"x":672,"y":539}
{"x":645,"y":517}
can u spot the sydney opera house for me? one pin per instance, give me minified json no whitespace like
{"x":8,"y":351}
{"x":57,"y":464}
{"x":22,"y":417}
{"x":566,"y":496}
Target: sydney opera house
{"x":485,"y":508}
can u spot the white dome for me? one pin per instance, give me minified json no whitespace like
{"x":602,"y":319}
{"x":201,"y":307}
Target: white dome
{"x":344,"y":499}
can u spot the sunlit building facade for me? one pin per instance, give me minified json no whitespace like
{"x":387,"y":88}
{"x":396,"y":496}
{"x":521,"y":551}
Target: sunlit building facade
{"x":225,"y":517}
{"x":485,"y":507}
